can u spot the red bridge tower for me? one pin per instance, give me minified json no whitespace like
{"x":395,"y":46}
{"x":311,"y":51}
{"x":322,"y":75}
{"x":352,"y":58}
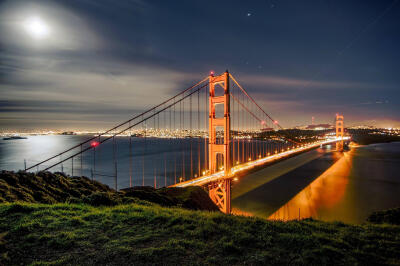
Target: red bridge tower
{"x":220,"y":191}
{"x":339,"y":132}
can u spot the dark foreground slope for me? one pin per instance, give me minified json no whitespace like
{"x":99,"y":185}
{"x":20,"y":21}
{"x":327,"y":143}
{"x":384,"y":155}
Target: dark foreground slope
{"x":46,"y":187}
{"x":120,"y":229}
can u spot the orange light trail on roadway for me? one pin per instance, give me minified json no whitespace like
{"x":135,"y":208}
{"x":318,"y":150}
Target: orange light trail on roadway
{"x":251,"y":164}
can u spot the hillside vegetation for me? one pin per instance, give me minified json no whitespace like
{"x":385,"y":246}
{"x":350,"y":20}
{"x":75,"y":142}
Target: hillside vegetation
{"x":140,"y":232}
{"x":46,"y":187}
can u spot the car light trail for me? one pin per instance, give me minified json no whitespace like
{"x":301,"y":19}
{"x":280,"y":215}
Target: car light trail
{"x":251,"y":164}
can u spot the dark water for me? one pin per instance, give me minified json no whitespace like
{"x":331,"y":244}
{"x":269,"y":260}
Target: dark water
{"x":324,"y":184}
{"x":154,"y":161}
{"x":321,"y":183}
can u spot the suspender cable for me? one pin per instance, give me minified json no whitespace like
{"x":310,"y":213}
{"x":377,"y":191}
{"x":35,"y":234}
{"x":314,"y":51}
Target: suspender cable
{"x":81,"y":161}
{"x":144,"y":151}
{"x":198,"y":137}
{"x":130,"y":157}
{"x":174,"y":141}
{"x":205,"y":129}
{"x":190,"y":132}
{"x":115,"y":162}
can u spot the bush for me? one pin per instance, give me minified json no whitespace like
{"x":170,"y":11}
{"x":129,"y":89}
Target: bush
{"x":391,"y":216}
{"x":101,"y":199}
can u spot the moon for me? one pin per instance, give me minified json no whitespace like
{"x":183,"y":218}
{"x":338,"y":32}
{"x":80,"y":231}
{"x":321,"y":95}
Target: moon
{"x":36,"y":28}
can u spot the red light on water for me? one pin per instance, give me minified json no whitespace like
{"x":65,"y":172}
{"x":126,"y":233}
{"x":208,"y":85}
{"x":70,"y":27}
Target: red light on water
{"x":94,"y":144}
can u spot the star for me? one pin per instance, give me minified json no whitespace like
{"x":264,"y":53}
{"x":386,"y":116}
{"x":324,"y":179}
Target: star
{"x":249,"y":14}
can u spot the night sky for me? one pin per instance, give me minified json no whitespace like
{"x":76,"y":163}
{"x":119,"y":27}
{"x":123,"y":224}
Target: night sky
{"x":99,"y":62}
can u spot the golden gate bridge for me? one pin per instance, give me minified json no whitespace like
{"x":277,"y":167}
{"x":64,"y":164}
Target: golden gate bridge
{"x":218,"y":133}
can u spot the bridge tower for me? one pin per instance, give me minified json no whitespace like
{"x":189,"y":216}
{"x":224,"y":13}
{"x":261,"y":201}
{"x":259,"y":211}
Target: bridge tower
{"x":220,"y":191}
{"x":339,"y":132}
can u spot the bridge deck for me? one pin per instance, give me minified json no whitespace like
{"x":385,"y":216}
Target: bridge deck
{"x":200,"y":181}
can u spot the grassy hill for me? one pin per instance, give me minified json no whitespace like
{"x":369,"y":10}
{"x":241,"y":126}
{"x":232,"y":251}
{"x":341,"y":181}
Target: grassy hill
{"x":140,"y":232}
{"x":46,"y":187}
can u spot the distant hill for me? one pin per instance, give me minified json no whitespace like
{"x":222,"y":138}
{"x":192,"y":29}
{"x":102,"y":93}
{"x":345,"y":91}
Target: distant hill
{"x":370,"y":136}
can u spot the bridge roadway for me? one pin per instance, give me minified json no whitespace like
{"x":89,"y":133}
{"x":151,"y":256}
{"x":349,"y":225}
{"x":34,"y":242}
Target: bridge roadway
{"x":203,"y":180}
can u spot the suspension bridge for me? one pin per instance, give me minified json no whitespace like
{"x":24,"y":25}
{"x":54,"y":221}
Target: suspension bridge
{"x":209,"y":135}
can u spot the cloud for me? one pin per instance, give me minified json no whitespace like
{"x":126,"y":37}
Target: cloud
{"x":81,"y":70}
{"x":300,"y":84}
{"x":107,"y":59}
{"x":48,"y":88}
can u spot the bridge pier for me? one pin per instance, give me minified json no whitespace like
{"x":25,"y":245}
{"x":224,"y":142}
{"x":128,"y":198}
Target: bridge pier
{"x":220,"y":193}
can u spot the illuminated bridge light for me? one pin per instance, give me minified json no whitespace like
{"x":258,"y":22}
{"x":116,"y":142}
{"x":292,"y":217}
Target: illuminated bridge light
{"x":94,"y":144}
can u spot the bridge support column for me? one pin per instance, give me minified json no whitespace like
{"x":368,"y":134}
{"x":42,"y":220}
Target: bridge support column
{"x":339,"y":132}
{"x":224,"y":122}
{"x":220,"y":193}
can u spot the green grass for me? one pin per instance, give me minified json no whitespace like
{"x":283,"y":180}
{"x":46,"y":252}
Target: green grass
{"x":146,"y":233}
{"x":52,"y":219}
